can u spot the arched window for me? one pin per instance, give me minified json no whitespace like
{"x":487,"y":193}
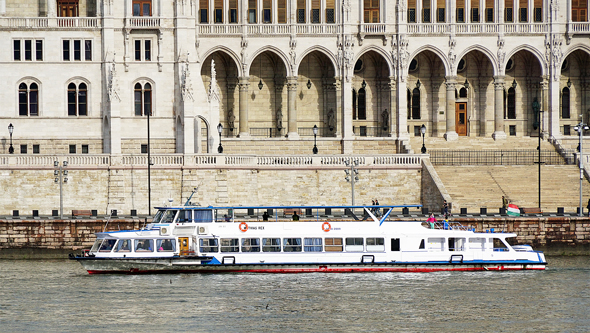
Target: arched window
{"x":28,"y":99}
{"x":565,"y":103}
{"x":77,"y":99}
{"x":409,"y":103}
{"x":511,"y":104}
{"x":143,"y":99}
{"x":416,"y":103}
{"x":362,"y":104}
{"x":463,"y":93}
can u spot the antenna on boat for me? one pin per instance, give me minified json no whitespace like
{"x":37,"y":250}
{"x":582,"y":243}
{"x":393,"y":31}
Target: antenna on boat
{"x":189,"y":198}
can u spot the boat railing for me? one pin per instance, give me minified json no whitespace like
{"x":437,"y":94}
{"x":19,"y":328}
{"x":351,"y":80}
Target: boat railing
{"x":446,"y":225}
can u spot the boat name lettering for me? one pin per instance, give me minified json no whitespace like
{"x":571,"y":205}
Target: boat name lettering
{"x":255,"y":227}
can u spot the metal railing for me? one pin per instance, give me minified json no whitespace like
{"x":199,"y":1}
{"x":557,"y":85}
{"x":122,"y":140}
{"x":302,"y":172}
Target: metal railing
{"x":322,"y":131}
{"x":370,"y":131}
{"x":495,"y":157}
{"x":266,"y":132}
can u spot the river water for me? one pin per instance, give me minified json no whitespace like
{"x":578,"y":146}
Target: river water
{"x":58,"y":295}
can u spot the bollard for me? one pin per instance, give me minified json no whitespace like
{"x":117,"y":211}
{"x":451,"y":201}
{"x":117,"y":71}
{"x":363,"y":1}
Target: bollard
{"x":94,"y":212}
{"x":15,"y":213}
{"x":483,"y":211}
{"x":463,"y":211}
{"x":54,"y":212}
{"x":35,"y":213}
{"x":560,"y":210}
{"x":308,"y":212}
{"x":405,"y":211}
{"x":502,"y":211}
{"x":134,"y":212}
{"x":424,"y":210}
{"x":113,"y":212}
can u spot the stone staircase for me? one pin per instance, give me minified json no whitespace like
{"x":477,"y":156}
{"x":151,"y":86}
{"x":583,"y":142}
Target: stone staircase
{"x":474,"y":187}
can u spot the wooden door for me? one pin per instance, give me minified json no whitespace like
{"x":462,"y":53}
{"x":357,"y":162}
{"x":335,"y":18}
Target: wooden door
{"x":461,"y":119}
{"x":183,"y":246}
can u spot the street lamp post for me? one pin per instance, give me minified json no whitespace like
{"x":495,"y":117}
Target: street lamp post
{"x":352,"y":175}
{"x":219,"y":129}
{"x":537,"y":125}
{"x":423,"y":131}
{"x":580,"y":128}
{"x":315,"y":133}
{"x":11,"y":148}
{"x":62,"y":173}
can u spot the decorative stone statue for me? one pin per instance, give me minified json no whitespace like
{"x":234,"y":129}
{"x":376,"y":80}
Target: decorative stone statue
{"x":331,"y":120}
{"x":230,"y":119}
{"x":279,"y":120}
{"x":385,"y":119}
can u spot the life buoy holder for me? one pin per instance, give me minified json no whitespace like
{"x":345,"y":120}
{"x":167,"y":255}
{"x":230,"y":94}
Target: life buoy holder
{"x":326,"y":226}
{"x":243,"y":227}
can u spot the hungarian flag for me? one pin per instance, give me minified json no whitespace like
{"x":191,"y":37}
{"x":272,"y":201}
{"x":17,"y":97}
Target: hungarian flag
{"x":513,"y":210}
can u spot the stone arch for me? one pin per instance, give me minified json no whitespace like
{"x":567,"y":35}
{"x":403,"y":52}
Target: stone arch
{"x":317,"y":48}
{"x":28,"y":80}
{"x":199,"y":136}
{"x":540,"y":57}
{"x":77,"y":80}
{"x":227,"y":51}
{"x":143,"y":80}
{"x":433,"y":49}
{"x":379,"y":51}
{"x":273,"y":49}
{"x":491,"y":57}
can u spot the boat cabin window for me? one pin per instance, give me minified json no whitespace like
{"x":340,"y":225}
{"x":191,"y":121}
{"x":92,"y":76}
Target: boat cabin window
{"x":107,"y":245}
{"x":436,"y":244}
{"x":333,"y":244}
{"x":250,"y":245}
{"x":96,"y":244}
{"x":395,"y":244}
{"x":354,"y":245}
{"x":230,"y":245}
{"x":477,"y":243}
{"x":224,"y":215}
{"x":158,"y":216}
{"x":166,"y":245}
{"x":168,"y":216}
{"x":185,"y":216}
{"x":456,"y":244}
{"x":271,"y":245}
{"x":499,"y":245}
{"x":144,"y":245}
{"x":203,"y":215}
{"x":375,"y":245}
{"x":292,"y":244}
{"x":124,"y":245}
{"x":312,"y":244}
{"x":208,"y":245}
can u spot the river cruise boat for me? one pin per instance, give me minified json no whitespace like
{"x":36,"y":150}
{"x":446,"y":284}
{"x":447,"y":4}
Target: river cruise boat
{"x":302,"y":239}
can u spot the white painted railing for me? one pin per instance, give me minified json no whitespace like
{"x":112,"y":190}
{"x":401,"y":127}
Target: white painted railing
{"x":268,"y":29}
{"x":212,"y":160}
{"x":219,"y":29}
{"x":579,"y":27}
{"x":143,"y":22}
{"x":77,"y":22}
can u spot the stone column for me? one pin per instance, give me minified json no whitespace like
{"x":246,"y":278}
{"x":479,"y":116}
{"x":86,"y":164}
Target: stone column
{"x":392,"y":114}
{"x":244,"y":84}
{"x":338,"y":111}
{"x":2,"y":7}
{"x":51,"y":8}
{"x":499,"y":133}
{"x":553,"y":125}
{"x":450,"y":133}
{"x":291,"y":107}
{"x":402,"y":111}
{"x":545,"y":103}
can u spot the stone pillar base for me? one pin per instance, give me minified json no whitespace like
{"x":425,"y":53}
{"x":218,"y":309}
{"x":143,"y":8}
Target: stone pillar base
{"x":499,"y":135}
{"x":244,"y":135}
{"x":451,"y":136}
{"x":293,"y":136}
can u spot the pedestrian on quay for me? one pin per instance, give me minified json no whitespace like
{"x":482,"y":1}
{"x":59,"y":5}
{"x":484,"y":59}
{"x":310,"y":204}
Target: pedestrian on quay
{"x":446,"y":209}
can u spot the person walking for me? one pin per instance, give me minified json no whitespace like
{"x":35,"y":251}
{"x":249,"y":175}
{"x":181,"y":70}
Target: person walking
{"x":446,"y":209}
{"x":505,"y":202}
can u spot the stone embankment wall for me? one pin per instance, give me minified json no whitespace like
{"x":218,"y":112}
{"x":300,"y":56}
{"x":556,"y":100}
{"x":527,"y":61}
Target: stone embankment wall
{"x":55,"y":238}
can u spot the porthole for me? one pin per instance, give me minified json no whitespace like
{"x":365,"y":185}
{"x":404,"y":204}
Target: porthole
{"x":413,"y":65}
{"x":509,"y":65}
{"x":462,"y":65}
{"x":565,"y":65}
{"x":358,"y":66}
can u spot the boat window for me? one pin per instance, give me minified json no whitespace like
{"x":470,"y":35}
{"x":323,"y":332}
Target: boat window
{"x":395,"y":244}
{"x":224,"y":215}
{"x":166,"y":245}
{"x":312,"y":245}
{"x":107,"y":245}
{"x":185,"y":216}
{"x":477,"y":243}
{"x":208,"y":245}
{"x":499,"y":245}
{"x":144,"y":245}
{"x":292,"y":244}
{"x":333,"y":244}
{"x":158,"y":216}
{"x":271,"y":245}
{"x":96,"y":244}
{"x":354,"y":245}
{"x":375,"y":244}
{"x":230,"y":245}
{"x":421,"y":245}
{"x":456,"y":244}
{"x":168,"y":216}
{"x":436,"y":244}
{"x":250,"y":245}
{"x":203,"y":215}
{"x":124,"y":245}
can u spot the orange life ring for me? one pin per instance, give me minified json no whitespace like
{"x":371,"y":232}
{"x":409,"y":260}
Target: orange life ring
{"x":243,"y":227}
{"x":326,"y":226}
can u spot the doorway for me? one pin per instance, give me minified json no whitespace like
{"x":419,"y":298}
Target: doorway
{"x":461,"y":118}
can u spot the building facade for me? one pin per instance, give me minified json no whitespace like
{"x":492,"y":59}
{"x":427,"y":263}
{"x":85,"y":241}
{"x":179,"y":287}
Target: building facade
{"x":82,"y":76}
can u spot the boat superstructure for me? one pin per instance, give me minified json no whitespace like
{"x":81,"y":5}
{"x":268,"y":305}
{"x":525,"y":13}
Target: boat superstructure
{"x":289,"y":239}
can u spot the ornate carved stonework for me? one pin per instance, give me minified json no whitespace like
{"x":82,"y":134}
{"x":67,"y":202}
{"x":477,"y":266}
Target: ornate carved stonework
{"x":185,"y":79}
{"x":501,"y":55}
{"x":213,"y":92}
{"x":112,"y":85}
{"x":553,"y":54}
